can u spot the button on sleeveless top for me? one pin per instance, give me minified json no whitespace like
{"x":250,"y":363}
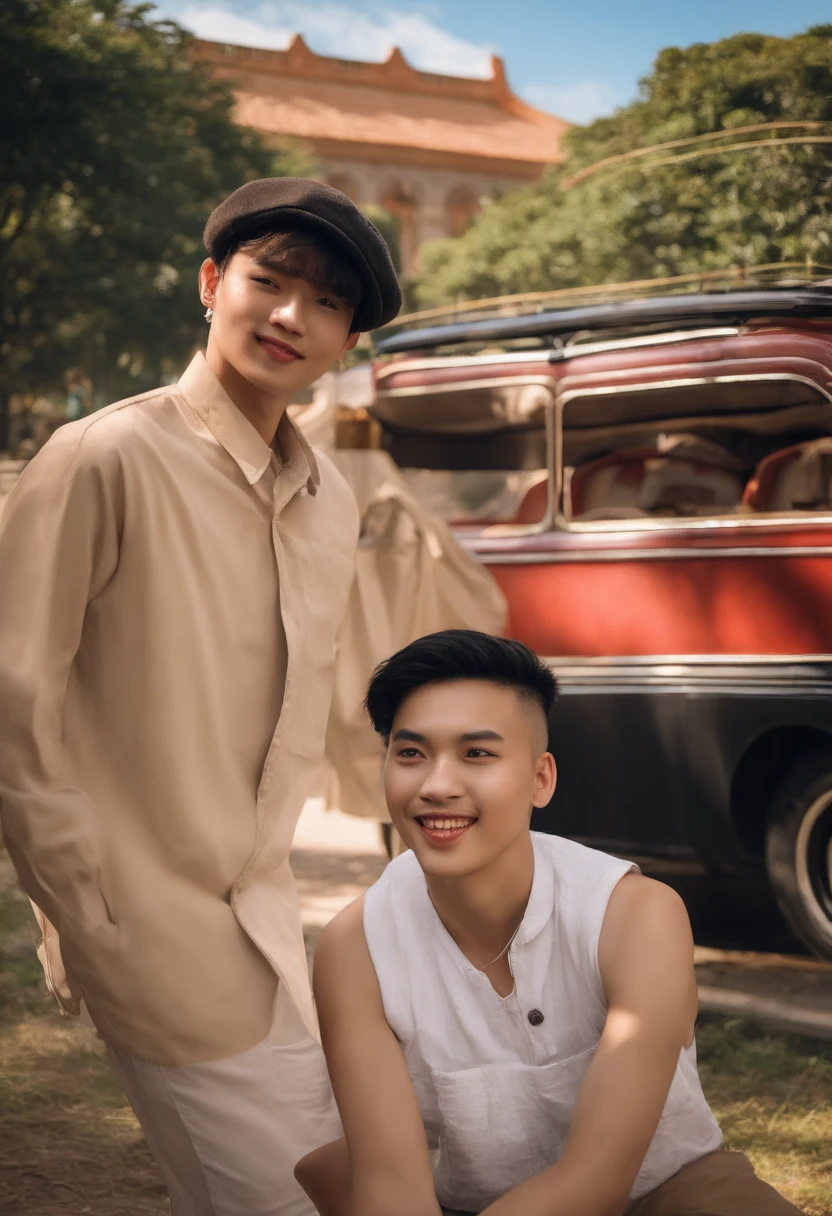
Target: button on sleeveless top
{"x":496,"y":1077}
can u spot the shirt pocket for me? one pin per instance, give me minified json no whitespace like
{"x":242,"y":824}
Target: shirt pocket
{"x":502,"y":1124}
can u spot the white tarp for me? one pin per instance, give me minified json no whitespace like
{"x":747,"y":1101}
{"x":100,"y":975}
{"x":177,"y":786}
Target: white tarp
{"x":412,"y":578}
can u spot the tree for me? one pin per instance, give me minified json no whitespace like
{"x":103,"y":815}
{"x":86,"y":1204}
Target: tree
{"x":115,"y":149}
{"x":722,"y":195}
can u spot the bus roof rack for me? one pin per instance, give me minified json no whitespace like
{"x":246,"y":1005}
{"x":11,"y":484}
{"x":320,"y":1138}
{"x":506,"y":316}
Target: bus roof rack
{"x":678,"y":311}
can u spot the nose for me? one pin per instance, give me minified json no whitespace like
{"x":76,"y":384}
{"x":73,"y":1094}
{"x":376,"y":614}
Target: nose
{"x":441,"y":783}
{"x":288,"y":313}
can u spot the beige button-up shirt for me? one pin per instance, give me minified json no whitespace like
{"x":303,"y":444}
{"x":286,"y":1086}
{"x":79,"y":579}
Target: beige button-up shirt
{"x":171,"y":593}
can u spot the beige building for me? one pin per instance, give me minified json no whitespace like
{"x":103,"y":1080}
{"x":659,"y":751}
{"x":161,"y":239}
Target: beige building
{"x":430,"y":149}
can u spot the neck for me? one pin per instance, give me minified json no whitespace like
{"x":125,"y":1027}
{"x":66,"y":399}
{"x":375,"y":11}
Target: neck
{"x":481,"y":910}
{"x":263,"y":410}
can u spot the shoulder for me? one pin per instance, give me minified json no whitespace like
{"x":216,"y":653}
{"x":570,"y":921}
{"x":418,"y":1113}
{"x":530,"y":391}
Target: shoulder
{"x":343,"y":974}
{"x":578,"y":863}
{"x":344,"y":931}
{"x":637,"y":899}
{"x":390,"y":894}
{"x":645,"y":919}
{"x":96,"y":438}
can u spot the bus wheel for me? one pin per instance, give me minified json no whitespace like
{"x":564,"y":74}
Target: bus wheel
{"x":799,"y":849}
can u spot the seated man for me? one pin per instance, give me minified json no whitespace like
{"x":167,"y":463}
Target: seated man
{"x":508,"y":1017}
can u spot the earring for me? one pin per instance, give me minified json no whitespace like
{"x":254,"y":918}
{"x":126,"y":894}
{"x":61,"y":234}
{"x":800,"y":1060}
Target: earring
{"x":209,"y":312}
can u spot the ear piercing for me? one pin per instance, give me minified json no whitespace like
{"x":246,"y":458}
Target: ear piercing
{"x":209,"y":312}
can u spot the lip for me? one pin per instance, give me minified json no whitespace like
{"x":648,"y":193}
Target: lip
{"x":443,"y":836}
{"x":281,"y":352}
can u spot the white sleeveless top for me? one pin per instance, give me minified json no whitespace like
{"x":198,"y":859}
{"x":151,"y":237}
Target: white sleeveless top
{"x":496,"y":1082}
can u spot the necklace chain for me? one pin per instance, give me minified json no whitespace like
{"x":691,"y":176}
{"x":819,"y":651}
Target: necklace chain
{"x":505,"y":948}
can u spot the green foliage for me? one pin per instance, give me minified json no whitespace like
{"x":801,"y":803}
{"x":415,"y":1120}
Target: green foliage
{"x":120,"y":146}
{"x":645,"y":219}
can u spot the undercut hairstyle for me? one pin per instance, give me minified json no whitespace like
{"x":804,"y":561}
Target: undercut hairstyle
{"x":457,"y":654}
{"x":304,"y":255}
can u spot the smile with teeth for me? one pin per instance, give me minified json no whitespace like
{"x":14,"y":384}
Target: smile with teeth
{"x":444,"y":827}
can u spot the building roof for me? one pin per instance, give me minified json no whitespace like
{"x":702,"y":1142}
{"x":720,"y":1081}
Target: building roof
{"x":350,"y":109}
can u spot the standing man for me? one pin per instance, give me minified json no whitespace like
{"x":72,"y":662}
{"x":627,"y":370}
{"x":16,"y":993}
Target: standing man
{"x":174,"y":570}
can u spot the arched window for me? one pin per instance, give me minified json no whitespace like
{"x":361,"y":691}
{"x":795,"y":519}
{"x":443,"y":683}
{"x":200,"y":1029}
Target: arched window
{"x":462,"y":205}
{"x":398,"y":198}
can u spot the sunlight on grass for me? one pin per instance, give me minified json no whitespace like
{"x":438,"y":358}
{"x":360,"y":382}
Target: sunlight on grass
{"x":772,"y":1095}
{"x":71,"y":1144}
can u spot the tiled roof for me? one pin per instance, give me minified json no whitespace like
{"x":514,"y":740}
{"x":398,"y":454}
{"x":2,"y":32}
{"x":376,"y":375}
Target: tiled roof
{"x":391,"y":104}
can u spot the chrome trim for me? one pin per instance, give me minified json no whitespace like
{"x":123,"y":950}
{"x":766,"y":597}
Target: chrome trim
{"x":541,"y":355}
{"x":459,"y":386}
{"x":573,"y":349}
{"x":693,"y":523}
{"x":743,"y":675}
{"x":686,"y":381}
{"x":630,"y":555}
{"x":686,"y":660}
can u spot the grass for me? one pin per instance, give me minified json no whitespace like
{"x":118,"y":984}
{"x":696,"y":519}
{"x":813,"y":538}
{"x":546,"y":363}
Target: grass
{"x":70,"y":1146}
{"x":69,"y":1143}
{"x":772,"y":1095}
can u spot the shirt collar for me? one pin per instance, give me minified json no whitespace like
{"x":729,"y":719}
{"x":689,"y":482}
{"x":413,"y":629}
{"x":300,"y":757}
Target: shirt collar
{"x":541,"y":905}
{"x":232,"y":430}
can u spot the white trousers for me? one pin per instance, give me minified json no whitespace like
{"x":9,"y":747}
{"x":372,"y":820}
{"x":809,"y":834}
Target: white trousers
{"x":227,"y":1134}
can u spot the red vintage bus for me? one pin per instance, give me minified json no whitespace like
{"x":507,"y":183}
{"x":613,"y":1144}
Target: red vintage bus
{"x":650,"y":483}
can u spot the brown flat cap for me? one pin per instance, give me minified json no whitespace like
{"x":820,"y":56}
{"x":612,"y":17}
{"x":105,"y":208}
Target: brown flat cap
{"x":275,"y":204}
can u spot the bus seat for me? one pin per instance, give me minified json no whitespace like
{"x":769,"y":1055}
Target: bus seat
{"x":646,"y":481}
{"x":532,"y":509}
{"x":797,"y":478}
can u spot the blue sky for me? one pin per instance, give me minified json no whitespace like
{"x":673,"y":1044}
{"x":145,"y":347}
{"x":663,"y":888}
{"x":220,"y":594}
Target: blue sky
{"x":577,"y":58}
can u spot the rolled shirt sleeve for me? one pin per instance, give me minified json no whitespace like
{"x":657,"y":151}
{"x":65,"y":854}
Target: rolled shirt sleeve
{"x":59,"y":545}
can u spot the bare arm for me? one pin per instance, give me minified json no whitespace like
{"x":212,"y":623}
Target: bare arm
{"x":646,"y":960}
{"x":388,"y":1153}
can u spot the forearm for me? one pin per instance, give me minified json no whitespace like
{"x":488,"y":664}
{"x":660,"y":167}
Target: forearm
{"x":378,"y":1202}
{"x":384,"y":1190}
{"x":566,"y":1189}
{"x":327,"y":1178}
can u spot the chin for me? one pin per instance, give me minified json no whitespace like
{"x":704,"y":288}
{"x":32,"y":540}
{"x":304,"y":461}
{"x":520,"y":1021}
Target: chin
{"x":276,"y":379}
{"x":448,"y":863}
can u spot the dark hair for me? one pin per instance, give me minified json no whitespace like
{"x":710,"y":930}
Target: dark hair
{"x":457,"y":654}
{"x":304,"y":255}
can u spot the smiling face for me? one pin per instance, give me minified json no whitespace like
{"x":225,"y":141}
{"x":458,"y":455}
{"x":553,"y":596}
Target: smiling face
{"x":273,"y":327}
{"x":466,"y":763}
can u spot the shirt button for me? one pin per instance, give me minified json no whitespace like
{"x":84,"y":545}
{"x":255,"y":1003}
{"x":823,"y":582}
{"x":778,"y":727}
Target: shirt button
{"x":535,"y":1017}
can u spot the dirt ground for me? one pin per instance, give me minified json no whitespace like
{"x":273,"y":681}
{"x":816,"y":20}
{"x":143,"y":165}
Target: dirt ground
{"x":70,"y":1146}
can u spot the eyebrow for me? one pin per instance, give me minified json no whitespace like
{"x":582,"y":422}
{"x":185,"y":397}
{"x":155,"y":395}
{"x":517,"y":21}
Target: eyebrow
{"x":267,"y":263}
{"x":279,"y":267}
{"x":471,"y":736}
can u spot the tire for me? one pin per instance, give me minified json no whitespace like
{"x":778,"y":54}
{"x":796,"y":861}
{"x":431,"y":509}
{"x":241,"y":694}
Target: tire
{"x":799,"y":849}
